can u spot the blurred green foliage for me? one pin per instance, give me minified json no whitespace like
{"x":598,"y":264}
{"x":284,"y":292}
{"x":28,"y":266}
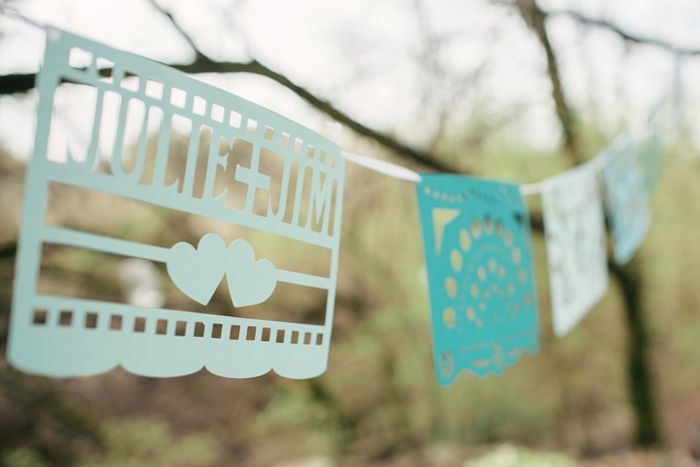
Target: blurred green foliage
{"x":378,"y":403}
{"x":146,"y":442}
{"x":510,"y":456}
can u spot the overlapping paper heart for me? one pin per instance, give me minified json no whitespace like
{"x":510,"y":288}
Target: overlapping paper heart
{"x":198,"y":272}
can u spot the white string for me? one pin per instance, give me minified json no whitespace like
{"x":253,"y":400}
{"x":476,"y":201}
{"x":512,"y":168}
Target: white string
{"x":402,"y":173}
{"x":384,"y":167}
{"x":529,"y":189}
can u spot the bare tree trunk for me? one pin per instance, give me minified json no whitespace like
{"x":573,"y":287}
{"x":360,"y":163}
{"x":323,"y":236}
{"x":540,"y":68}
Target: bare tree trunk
{"x":629,"y":278}
{"x":535,"y":19}
{"x":639,"y":373}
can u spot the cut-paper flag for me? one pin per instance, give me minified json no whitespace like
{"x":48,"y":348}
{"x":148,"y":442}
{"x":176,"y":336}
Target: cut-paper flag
{"x":572,"y":207}
{"x":651,"y":156}
{"x":627,"y":197}
{"x":483,"y":300}
{"x":231,"y":183}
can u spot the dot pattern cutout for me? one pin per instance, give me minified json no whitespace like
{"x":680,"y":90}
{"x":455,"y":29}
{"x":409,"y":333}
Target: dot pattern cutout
{"x":576,"y":245}
{"x":627,"y":198}
{"x":482,"y":290}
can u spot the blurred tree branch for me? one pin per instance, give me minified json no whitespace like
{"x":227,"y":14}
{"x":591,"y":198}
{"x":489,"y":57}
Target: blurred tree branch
{"x":441,"y":90}
{"x":610,"y":26}
{"x":15,"y":83}
{"x":8,"y":250}
{"x":629,"y":277}
{"x":535,"y":18}
{"x":180,"y":30}
{"x":623,"y":33}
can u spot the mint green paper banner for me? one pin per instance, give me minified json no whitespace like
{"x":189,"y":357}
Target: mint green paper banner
{"x":100,"y":335}
{"x":627,"y":185}
{"x":651,"y":155}
{"x":483,"y":299}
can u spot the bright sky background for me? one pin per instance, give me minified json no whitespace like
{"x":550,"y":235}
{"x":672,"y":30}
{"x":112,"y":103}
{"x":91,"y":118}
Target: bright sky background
{"x":367,"y":58}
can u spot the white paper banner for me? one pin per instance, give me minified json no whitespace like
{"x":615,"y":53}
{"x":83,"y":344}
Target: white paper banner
{"x":575,"y":235}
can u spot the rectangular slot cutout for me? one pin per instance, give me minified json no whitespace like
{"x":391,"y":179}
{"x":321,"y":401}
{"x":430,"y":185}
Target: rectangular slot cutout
{"x":91,"y":320}
{"x":180,"y":328}
{"x":252,"y":126}
{"x":162,"y":327}
{"x":250,"y":333}
{"x":154,"y":89}
{"x":65,"y":318}
{"x":130,"y":83}
{"x":79,"y":58}
{"x":40,"y":317}
{"x":199,"y":106}
{"x":217,"y":113}
{"x":298,"y":144}
{"x":115,"y":322}
{"x":140,"y":324}
{"x":103,"y":65}
{"x":284,"y":139}
{"x":235,"y":119}
{"x":178,"y":97}
{"x":235,"y":332}
{"x":198,"y":329}
{"x":216,"y":330}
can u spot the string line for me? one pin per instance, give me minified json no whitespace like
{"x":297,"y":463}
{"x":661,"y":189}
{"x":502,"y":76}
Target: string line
{"x":372,"y":163}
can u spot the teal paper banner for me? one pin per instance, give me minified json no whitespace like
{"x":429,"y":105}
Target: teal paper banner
{"x":483,"y":299}
{"x":69,"y":336}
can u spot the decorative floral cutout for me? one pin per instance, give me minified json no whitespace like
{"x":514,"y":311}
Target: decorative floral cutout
{"x":483,"y":299}
{"x":576,"y":246}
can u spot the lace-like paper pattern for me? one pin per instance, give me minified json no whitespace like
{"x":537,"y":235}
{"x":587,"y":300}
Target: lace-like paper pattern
{"x":627,"y":197}
{"x":100,"y":335}
{"x":483,"y":299}
{"x":576,"y":247}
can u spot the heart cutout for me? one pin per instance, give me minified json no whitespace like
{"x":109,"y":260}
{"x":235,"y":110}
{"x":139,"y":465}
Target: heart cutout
{"x":197,"y":273}
{"x":250,"y":282}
